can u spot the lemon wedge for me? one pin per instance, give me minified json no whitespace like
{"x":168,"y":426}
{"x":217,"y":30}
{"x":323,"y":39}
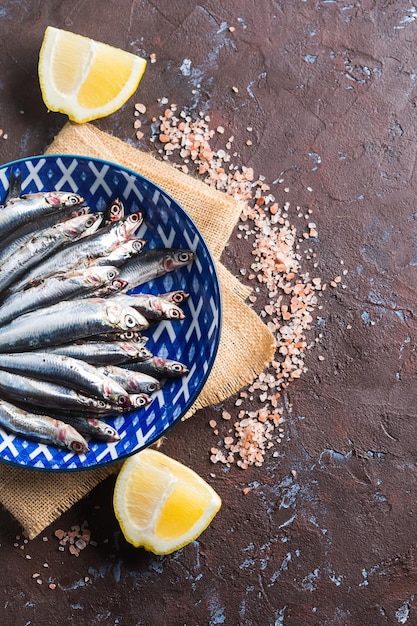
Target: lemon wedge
{"x":161,"y":504}
{"x":84,"y":78}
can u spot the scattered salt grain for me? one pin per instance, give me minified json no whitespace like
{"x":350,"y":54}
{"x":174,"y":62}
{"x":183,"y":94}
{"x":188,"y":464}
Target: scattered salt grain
{"x":276,"y":270}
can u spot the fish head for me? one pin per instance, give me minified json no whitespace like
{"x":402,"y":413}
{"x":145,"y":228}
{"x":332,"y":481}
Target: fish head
{"x":115,"y":211}
{"x":116,"y":394}
{"x":116,"y":285}
{"x":130,"y":319}
{"x":172,"y":311}
{"x":177,"y":258}
{"x":71,"y":438}
{"x":138,"y":245}
{"x":177,"y":297}
{"x":111,"y":435}
{"x":127,"y":227}
{"x":152,"y":386}
{"x":132,"y":335}
{"x":100,"y":274}
{"x":130,"y":349}
{"x":175,"y":368}
{"x":129,"y":248}
{"x":139,"y":400}
{"x":63,"y":199}
{"x":84,"y":224}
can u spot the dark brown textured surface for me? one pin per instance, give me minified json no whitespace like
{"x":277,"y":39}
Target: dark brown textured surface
{"x":328,"y":533}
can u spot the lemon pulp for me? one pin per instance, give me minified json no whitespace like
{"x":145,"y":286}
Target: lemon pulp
{"x":160,"y":503}
{"x":84,"y":78}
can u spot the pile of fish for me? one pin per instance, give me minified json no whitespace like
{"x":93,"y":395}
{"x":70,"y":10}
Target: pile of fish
{"x":72,"y":348}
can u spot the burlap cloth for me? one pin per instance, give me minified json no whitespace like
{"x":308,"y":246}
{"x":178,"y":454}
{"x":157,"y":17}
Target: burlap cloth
{"x":36,"y":499}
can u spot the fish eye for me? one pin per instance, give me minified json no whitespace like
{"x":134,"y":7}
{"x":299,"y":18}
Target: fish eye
{"x":128,"y":335}
{"x":174,"y":314}
{"x":184,"y":256}
{"x":130,"y":321}
{"x":152,"y":387}
{"x":111,"y":274}
{"x":114,"y":209}
{"x":101,"y":404}
{"x":90,"y":222}
{"x":122,"y":400}
{"x":176,"y":367}
{"x":73,"y":199}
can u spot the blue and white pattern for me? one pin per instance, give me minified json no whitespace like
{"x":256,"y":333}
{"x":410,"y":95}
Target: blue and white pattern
{"x":193,"y":341}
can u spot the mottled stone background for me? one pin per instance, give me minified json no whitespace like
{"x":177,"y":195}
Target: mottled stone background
{"x":327,"y":534}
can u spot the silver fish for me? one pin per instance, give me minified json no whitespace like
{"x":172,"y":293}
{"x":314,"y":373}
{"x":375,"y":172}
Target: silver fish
{"x":111,"y":288}
{"x":122,"y":253}
{"x":55,"y":289}
{"x":68,"y":321}
{"x":152,"y":307}
{"x":158,"y":367}
{"x":18,"y":238}
{"x":67,"y":371}
{"x":103,"y":352}
{"x":93,"y":427}
{"x":30,"y":207}
{"x":153,"y":263}
{"x":31,"y":391}
{"x":42,"y":428}
{"x":42,"y":245}
{"x":83,"y":253}
{"x":132,"y":381}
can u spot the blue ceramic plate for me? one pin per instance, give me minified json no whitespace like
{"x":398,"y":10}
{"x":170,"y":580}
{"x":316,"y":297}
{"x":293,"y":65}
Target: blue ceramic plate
{"x":193,"y":341}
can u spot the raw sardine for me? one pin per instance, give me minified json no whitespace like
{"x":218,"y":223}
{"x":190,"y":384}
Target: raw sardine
{"x":92,"y":427}
{"x":152,"y":307}
{"x":132,"y":381}
{"x":158,"y":367}
{"x":153,"y":263}
{"x":67,"y":321}
{"x":41,"y":246}
{"x":23,"y":234}
{"x":31,"y":391}
{"x":42,"y":428}
{"x":55,"y":289}
{"x":122,"y":253}
{"x":103,"y":352}
{"x":67,"y":371}
{"x":82,"y":253}
{"x":30,"y":207}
